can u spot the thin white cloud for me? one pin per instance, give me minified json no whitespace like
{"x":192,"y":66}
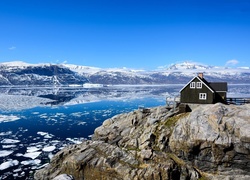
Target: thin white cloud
{"x":59,"y":62}
{"x":162,"y":67}
{"x":12,"y":48}
{"x":232,"y":62}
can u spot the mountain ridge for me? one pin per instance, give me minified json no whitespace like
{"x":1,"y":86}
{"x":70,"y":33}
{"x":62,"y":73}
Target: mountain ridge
{"x":22,"y":73}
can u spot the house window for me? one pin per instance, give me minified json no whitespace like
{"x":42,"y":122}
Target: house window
{"x":202,"y":96}
{"x":198,"y":85}
{"x":192,"y":85}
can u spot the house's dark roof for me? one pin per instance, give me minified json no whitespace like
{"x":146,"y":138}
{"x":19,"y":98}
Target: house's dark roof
{"x":213,"y":86}
{"x":218,"y":86}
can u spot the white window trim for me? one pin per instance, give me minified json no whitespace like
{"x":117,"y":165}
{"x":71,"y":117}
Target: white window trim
{"x":192,"y":85}
{"x":199,"y":85}
{"x":202,"y":96}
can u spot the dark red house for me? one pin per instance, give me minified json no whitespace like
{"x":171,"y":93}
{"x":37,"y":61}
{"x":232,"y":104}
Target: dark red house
{"x":199,"y":91}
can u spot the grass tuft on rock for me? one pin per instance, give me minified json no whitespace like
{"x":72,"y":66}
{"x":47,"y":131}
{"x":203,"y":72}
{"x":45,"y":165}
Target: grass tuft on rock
{"x":171,"y":122}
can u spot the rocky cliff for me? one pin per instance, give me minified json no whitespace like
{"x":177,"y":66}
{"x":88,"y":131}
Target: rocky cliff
{"x":211,"y":142}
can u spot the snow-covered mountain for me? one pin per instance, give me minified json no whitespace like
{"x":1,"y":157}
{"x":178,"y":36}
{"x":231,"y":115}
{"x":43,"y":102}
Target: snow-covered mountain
{"x":188,"y":66}
{"x":21,"y":73}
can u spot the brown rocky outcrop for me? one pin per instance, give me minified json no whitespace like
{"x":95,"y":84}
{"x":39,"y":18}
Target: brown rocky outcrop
{"x":211,"y":142}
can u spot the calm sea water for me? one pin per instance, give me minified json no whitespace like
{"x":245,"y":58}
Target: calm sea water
{"x":37,"y":122}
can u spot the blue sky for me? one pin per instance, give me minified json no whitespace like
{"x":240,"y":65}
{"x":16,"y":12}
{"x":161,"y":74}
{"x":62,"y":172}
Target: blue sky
{"x":126,"y":33}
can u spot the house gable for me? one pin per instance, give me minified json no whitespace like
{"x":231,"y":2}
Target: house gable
{"x":197,"y":91}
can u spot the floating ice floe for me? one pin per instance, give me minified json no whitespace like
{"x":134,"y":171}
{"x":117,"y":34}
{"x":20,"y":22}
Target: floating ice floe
{"x":32,"y":155}
{"x":42,"y":133}
{"x":90,"y":136}
{"x":5,"y":153}
{"x":49,"y":148}
{"x":23,"y":130}
{"x":76,"y":114}
{"x":19,"y":154}
{"x":55,"y":141}
{"x":76,"y":140}
{"x":17,"y":170}
{"x":15,"y":175}
{"x":5,"y":118}
{"x":8,"y":146}
{"x":59,"y":115}
{"x":31,"y":162}
{"x":9,"y":141}
{"x":42,"y":166}
{"x":8,"y":164}
{"x":45,"y":134}
{"x":6,"y":133}
{"x":81,"y":123}
{"x":44,"y":115}
{"x":32,"y":149}
{"x":50,"y":155}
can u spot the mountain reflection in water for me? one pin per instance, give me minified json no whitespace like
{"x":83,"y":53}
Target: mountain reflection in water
{"x":78,"y":95}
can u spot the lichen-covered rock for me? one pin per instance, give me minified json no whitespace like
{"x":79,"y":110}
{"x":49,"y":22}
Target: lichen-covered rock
{"x":213,"y":142}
